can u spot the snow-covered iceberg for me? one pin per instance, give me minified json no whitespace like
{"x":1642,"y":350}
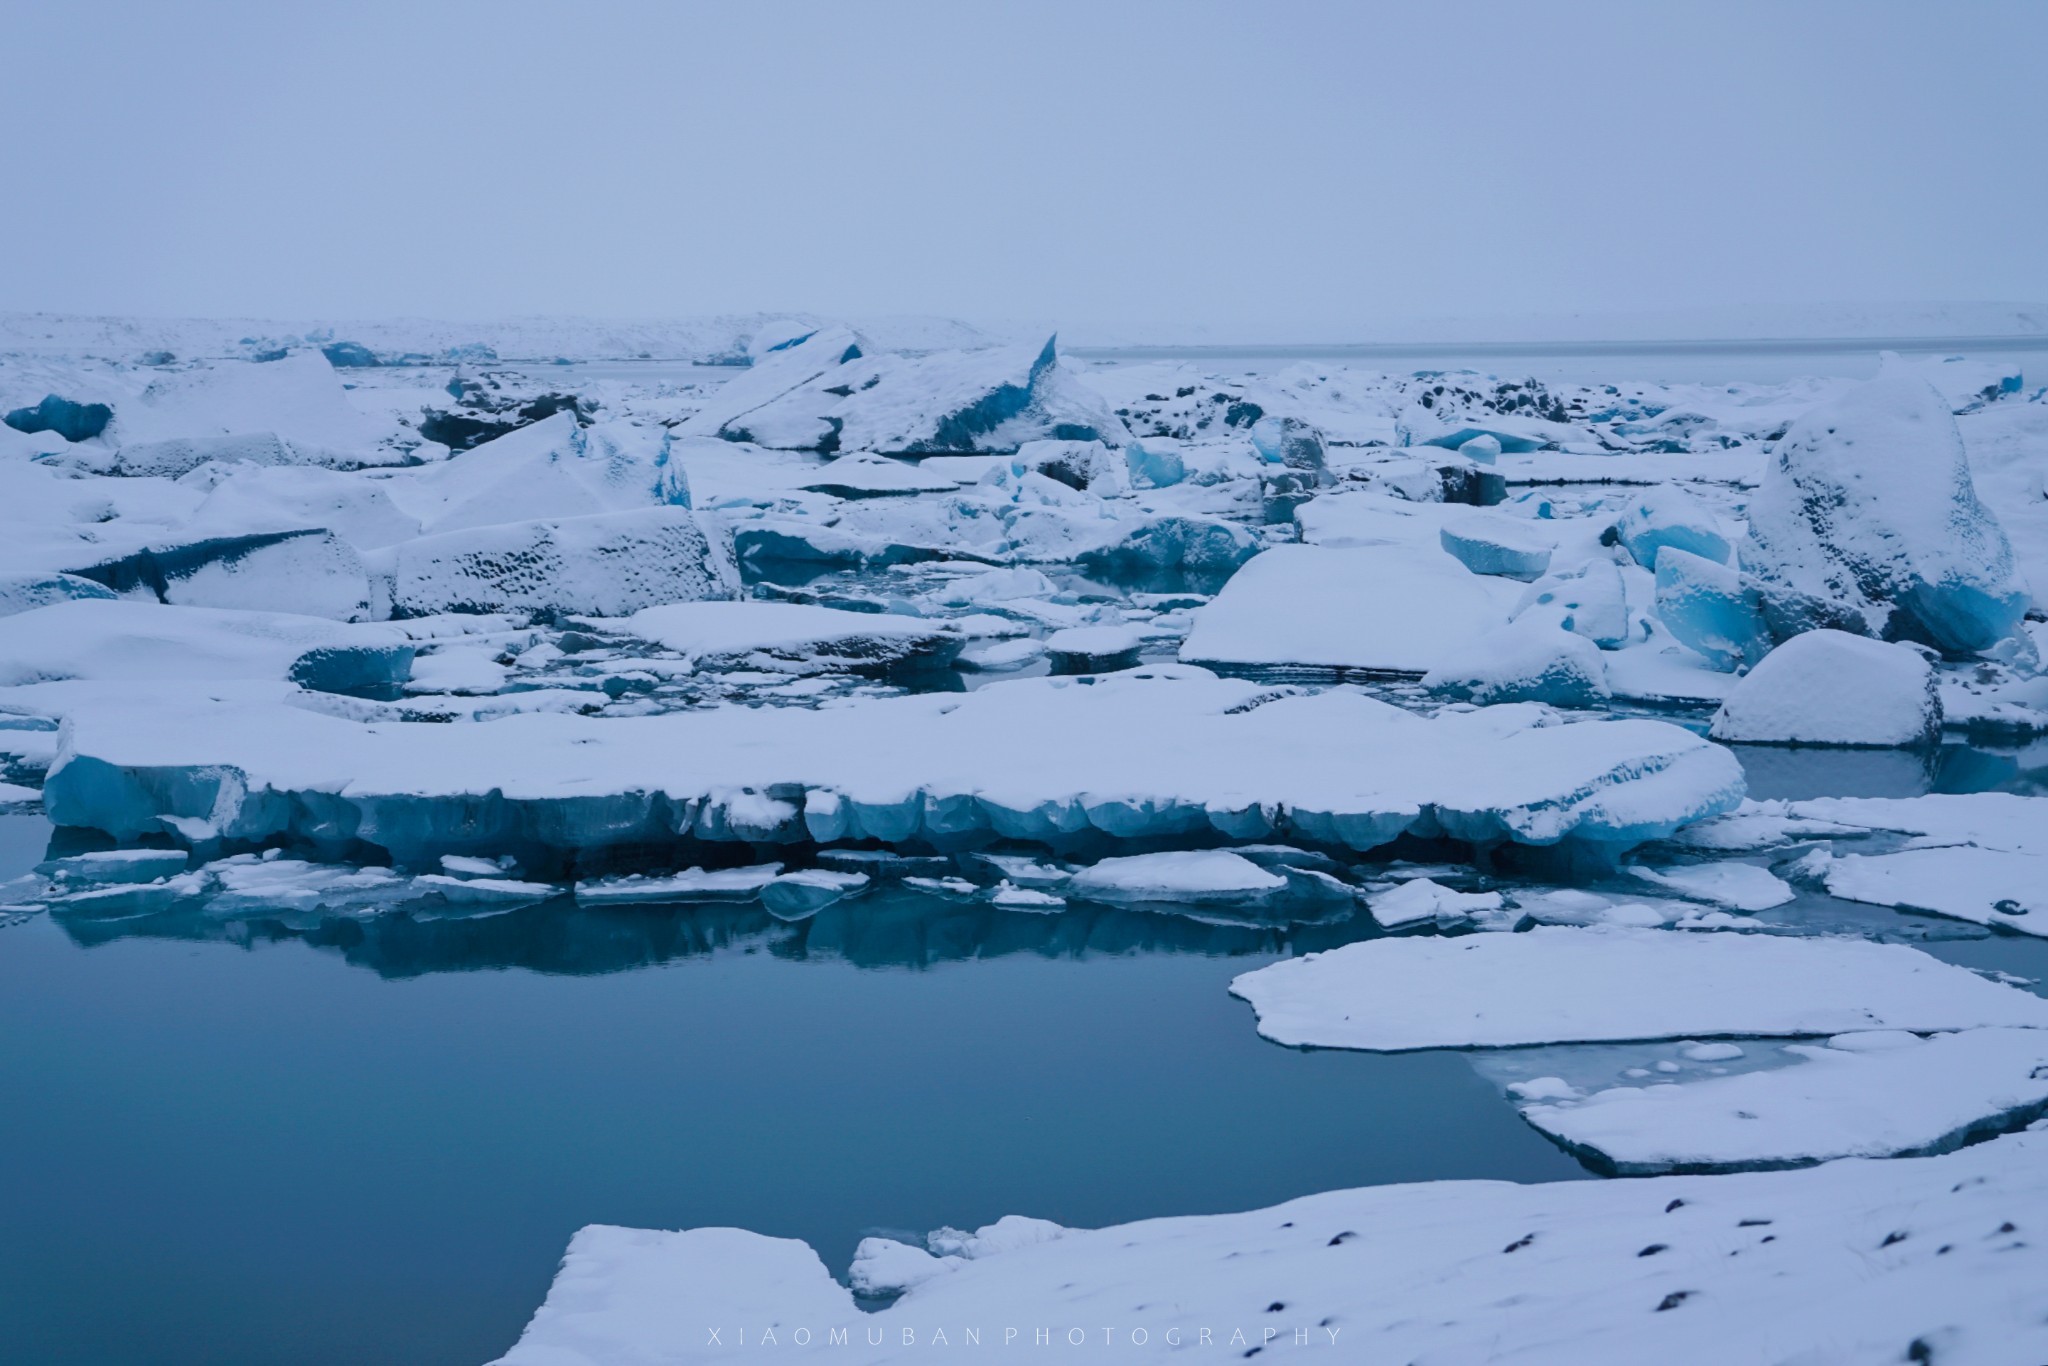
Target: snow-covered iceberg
{"x":1161,"y":751}
{"x":1831,"y":688}
{"x":1869,"y":501}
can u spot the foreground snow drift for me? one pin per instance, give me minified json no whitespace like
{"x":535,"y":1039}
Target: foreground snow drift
{"x":1169,"y":751}
{"x":1930,"y":1259}
{"x":1556,"y":985}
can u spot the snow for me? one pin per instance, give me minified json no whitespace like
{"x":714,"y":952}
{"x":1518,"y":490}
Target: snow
{"x":1869,"y":501}
{"x":1851,"y":1261}
{"x":1904,"y":1097}
{"x":1562,"y":985}
{"x":23,"y":592}
{"x":1372,"y":608}
{"x":1591,"y":601}
{"x":1797,"y":695}
{"x":147,"y":643}
{"x":1162,"y":750}
{"x":1203,"y":877}
{"x":1670,"y":516}
{"x":865,"y":476}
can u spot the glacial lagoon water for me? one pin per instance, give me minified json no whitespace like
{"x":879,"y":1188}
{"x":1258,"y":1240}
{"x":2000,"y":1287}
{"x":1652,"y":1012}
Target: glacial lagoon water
{"x":371,"y":1143}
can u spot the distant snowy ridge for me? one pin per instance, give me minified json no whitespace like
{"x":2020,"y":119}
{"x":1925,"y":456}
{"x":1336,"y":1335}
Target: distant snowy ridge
{"x":723,"y":338}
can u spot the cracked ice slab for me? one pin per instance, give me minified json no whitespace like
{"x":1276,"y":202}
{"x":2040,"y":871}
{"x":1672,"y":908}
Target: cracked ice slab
{"x":1876,"y":1094}
{"x":1848,"y":1262}
{"x":1163,"y":751}
{"x":1608,"y":984}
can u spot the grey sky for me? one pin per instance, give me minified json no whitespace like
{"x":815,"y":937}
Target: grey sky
{"x":1255,"y":169}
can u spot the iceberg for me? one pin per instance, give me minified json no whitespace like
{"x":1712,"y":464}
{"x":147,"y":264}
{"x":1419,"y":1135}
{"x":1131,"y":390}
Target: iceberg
{"x":1876,"y":1094}
{"x":309,"y":572}
{"x":73,"y":421}
{"x":1829,"y":688}
{"x":1869,"y":501}
{"x":1668,"y":516}
{"x":1093,"y":649}
{"x":1591,"y":601}
{"x":604,"y":564}
{"x":1380,"y":609}
{"x":1854,"y":1260}
{"x":1202,"y":544}
{"x":1528,"y":660}
{"x":1489,"y":544}
{"x":298,"y":400}
{"x":1424,"y":901}
{"x":1709,"y":607}
{"x":1157,"y":751}
{"x":1739,"y":886}
{"x":1612,"y":983}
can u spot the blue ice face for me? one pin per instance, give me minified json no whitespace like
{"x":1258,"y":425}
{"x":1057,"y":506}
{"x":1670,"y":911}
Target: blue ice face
{"x":1670,"y":517}
{"x":1709,"y":608}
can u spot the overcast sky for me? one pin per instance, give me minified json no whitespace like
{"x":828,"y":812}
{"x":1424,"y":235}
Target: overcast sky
{"x":1259,"y":169}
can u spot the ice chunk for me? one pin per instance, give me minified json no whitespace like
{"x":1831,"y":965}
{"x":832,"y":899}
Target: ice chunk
{"x":1489,"y":544}
{"x":1002,"y":655}
{"x":298,"y":399}
{"x":181,"y":455}
{"x":778,"y":634}
{"x":1201,"y":877}
{"x":142,"y":642}
{"x":1592,"y":601}
{"x":1157,"y":751}
{"x":1924,"y":1098}
{"x":312,"y":573}
{"x":883,"y":1266}
{"x":115,"y":866}
{"x":1668,"y":516}
{"x":25,"y":592}
{"x":992,"y":586}
{"x":1742,"y":886}
{"x":1154,"y":463}
{"x":1484,"y":448}
{"x":1988,"y":886}
{"x":1837,"y":1263}
{"x":1993,"y":820}
{"x":1870,"y":501}
{"x":1093,"y":649}
{"x":73,"y":421}
{"x":1381,"y":608}
{"x":695,"y":885}
{"x":607,"y":564}
{"x":1828,"y":688}
{"x":795,"y":896}
{"x":1206,"y":544}
{"x":554,"y":469}
{"x":1709,"y":607}
{"x":470,"y":670}
{"x":1528,"y":660}
{"x":1556,"y":985}
{"x":256,"y":499}
{"x":1089,"y":465}
{"x":1421,"y":899}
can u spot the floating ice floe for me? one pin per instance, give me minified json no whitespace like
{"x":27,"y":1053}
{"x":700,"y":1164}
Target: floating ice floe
{"x":1870,"y":502}
{"x":1740,"y":886}
{"x":1831,"y":688}
{"x":1485,"y":543}
{"x":1197,"y":876}
{"x":1374,"y":608}
{"x":1422,"y":900}
{"x":868,"y":476}
{"x":1851,"y":1261}
{"x":1878,"y":1094}
{"x":1093,"y":649}
{"x":1557,"y":985}
{"x":1988,"y":886}
{"x":693,"y":885}
{"x":1157,"y":751}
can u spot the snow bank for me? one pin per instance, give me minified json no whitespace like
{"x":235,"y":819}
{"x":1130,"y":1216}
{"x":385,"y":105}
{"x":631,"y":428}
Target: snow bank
{"x":1856,"y":1261}
{"x":1831,"y":688}
{"x":1149,"y":752}
{"x":1557,"y":985}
